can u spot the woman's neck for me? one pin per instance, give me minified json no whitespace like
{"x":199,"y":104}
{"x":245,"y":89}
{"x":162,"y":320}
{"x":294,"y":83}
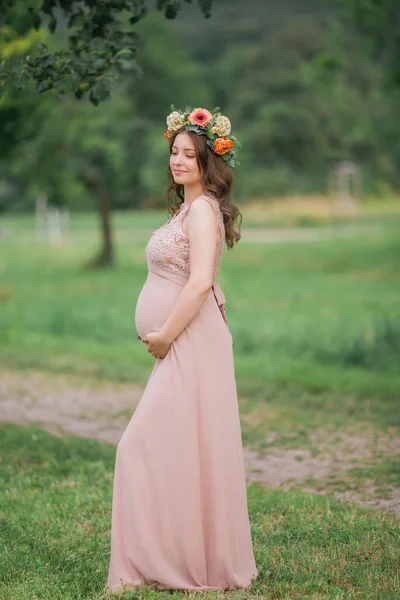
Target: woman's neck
{"x":192,"y":192}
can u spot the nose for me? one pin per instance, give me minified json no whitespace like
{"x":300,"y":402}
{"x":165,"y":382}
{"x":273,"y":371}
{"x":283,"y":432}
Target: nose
{"x":177,"y":160}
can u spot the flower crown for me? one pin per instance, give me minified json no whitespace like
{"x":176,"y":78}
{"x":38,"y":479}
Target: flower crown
{"x":215,"y":126}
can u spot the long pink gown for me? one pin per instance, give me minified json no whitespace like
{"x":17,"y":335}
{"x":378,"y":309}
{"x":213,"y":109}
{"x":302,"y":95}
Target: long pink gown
{"x":179,"y":511}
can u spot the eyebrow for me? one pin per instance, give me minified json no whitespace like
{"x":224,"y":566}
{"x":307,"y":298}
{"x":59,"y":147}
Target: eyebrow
{"x":190,"y":149}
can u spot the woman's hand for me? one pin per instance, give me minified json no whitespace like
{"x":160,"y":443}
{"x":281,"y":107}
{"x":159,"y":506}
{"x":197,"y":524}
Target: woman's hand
{"x":157,"y":345}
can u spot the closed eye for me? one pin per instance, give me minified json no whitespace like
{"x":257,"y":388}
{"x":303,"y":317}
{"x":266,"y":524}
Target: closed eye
{"x":187,"y":155}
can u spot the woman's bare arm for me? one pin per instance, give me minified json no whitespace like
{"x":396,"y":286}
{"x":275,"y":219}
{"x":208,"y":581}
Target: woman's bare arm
{"x":203,"y":236}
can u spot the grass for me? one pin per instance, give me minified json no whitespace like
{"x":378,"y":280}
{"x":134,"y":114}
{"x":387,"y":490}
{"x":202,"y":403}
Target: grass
{"x":386,"y":472}
{"x":316,"y":325}
{"x":293,"y":211}
{"x":55,"y":510}
{"x":317,"y":211}
{"x":316,"y":343}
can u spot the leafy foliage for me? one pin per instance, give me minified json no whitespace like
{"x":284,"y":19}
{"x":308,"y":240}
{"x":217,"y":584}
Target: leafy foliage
{"x":380,"y":21}
{"x":305,"y":99}
{"x":300,"y":85}
{"x":102,"y":44}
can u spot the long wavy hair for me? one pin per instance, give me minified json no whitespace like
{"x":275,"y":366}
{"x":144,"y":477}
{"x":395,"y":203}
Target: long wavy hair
{"x":216,"y":179}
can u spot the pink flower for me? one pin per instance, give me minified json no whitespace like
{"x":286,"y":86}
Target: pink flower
{"x":200,"y":116}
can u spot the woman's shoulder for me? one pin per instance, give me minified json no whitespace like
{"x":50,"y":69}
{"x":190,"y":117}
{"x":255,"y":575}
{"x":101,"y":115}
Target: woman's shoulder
{"x":210,"y":198}
{"x":216,"y":206}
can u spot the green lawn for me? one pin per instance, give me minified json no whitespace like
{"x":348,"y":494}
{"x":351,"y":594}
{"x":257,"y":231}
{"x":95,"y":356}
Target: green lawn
{"x":316,"y":325}
{"x":316,"y":329}
{"x":55,"y":515}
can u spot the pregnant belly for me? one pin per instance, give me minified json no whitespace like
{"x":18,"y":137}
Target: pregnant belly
{"x":155,"y":303}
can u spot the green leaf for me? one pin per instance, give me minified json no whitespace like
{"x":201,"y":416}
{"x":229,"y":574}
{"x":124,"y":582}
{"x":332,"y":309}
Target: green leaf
{"x":48,"y":60}
{"x":44,"y":86}
{"x":99,"y":63}
{"x":197,"y":129}
{"x":99,"y":93}
{"x":76,"y":20}
{"x":124,"y":52}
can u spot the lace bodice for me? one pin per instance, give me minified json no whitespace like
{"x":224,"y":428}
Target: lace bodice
{"x":169,"y":247}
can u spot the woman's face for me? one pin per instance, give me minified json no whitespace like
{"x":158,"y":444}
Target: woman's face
{"x":183,"y":162}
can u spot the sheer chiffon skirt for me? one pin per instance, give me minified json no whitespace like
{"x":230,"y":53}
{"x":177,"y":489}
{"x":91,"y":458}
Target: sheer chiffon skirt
{"x":179,"y":513}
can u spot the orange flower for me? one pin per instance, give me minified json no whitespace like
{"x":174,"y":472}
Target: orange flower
{"x":222,"y":145}
{"x":166,"y":133}
{"x":200,"y":116}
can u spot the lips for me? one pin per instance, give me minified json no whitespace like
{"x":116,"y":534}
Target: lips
{"x":179,"y":172}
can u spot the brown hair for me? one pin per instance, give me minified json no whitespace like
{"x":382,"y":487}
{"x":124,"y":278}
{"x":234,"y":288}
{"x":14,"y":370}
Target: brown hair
{"x":216,"y":179}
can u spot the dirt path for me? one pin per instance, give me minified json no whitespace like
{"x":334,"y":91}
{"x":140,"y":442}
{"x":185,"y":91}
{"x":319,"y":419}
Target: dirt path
{"x":72,"y":405}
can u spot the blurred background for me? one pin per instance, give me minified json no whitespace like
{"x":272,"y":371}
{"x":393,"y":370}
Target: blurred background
{"x":300,"y":83}
{"x":313,"y":287}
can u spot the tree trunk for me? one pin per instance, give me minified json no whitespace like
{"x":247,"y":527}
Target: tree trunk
{"x":106,"y":257}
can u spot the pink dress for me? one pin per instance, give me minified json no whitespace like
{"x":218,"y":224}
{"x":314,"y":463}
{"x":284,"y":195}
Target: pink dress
{"x":179,"y":511}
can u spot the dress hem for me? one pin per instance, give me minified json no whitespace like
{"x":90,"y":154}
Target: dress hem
{"x":160,"y":587}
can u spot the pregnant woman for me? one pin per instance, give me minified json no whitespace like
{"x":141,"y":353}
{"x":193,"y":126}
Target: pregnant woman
{"x":179,"y":512}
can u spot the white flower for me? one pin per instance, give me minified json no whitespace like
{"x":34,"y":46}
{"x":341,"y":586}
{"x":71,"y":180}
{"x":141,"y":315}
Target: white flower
{"x":222,"y":126}
{"x":175,"y":120}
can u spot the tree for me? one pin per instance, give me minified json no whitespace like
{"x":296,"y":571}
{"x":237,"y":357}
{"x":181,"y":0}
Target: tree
{"x":379,"y":20}
{"x":110,"y":153}
{"x":305,"y":98}
{"x":101,"y":45}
